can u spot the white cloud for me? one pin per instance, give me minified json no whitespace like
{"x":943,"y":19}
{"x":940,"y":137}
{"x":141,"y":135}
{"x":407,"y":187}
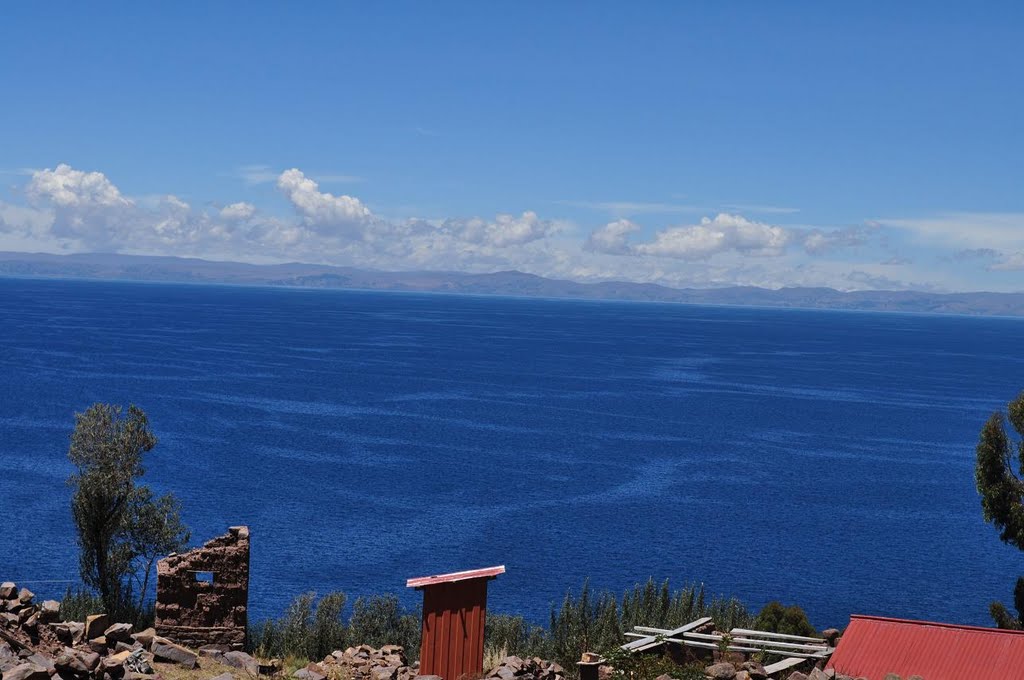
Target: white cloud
{"x":86,"y":206}
{"x":612,"y":238}
{"x":66,"y":187}
{"x":238,"y":212}
{"x":503,"y":231}
{"x":26,"y":221}
{"x":723,"y":233}
{"x":68,"y":210}
{"x":319,"y":210}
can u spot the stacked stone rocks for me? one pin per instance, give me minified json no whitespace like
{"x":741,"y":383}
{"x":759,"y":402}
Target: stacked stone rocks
{"x":751,"y":670}
{"x":34,"y":645}
{"x":389,"y":663}
{"x":362,"y":663}
{"x":830,"y":674}
{"x":515,"y":668}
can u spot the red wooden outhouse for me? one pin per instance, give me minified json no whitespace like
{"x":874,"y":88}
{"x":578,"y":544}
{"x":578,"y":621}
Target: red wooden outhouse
{"x":454,"y":611}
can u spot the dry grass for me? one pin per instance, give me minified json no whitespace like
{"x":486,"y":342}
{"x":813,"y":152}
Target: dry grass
{"x":291,"y":663}
{"x":494,"y":656}
{"x":207,"y":668}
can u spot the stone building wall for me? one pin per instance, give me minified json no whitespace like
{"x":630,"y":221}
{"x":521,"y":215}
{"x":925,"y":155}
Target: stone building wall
{"x":202,"y":596}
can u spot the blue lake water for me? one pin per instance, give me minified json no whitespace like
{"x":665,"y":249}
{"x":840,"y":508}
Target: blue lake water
{"x":820,"y":458}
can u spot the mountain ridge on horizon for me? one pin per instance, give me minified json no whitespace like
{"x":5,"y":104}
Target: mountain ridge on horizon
{"x":175,"y":269}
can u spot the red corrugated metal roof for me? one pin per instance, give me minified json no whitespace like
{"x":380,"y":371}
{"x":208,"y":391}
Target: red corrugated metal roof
{"x":488,"y":572}
{"x":873,"y":646}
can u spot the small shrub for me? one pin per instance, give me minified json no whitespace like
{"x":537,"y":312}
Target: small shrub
{"x":380,"y":620}
{"x":328,"y":632}
{"x":776,"y":618}
{"x":305,"y":631}
{"x":507,"y":635}
{"x":649,"y":666}
{"x":77,"y":604}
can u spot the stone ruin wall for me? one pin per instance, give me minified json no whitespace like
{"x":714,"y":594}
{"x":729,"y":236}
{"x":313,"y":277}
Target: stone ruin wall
{"x":195,"y":612}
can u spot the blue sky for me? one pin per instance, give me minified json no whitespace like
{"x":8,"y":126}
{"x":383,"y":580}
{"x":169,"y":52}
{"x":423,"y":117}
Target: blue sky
{"x":855,"y":145}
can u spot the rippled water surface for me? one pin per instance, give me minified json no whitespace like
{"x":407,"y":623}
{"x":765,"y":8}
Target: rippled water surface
{"x":820,"y":458}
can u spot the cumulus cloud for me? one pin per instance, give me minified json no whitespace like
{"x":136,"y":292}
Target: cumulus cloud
{"x":721,"y":234}
{"x":320,"y":210}
{"x":70,"y":210}
{"x":237,"y":212}
{"x":73,"y":210}
{"x":86,"y":206}
{"x":612,"y":238}
{"x":66,"y":187}
{"x":503,"y":231}
{"x":25,"y":221}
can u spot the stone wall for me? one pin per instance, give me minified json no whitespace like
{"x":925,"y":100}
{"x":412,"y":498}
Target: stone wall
{"x":202,"y":596}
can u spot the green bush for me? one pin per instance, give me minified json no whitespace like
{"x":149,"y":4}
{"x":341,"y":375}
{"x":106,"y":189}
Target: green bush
{"x":380,"y":620}
{"x":310,"y":629}
{"x":776,"y":618}
{"x":660,"y":607}
{"x":77,"y":604}
{"x":504,"y":635}
{"x":599,"y":623}
{"x":649,"y":666}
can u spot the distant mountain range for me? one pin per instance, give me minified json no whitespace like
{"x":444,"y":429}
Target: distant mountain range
{"x":189,"y":270}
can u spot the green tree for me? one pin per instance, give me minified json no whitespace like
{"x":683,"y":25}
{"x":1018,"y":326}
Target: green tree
{"x":155,"y":530}
{"x":122,"y":528}
{"x":1002,"y":492}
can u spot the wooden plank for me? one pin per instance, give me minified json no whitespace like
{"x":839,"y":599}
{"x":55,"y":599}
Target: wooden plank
{"x":653,"y":631}
{"x":652,"y":640}
{"x":783,"y":665}
{"x":750,"y":645}
{"x":760,"y":633}
{"x":733,"y":648}
{"x":800,"y":647}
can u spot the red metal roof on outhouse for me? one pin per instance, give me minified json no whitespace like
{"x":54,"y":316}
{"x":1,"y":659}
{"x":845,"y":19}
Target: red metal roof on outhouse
{"x":873,"y":646}
{"x":488,"y":572}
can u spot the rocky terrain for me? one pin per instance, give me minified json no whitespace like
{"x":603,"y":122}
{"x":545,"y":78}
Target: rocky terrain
{"x":36,"y":645}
